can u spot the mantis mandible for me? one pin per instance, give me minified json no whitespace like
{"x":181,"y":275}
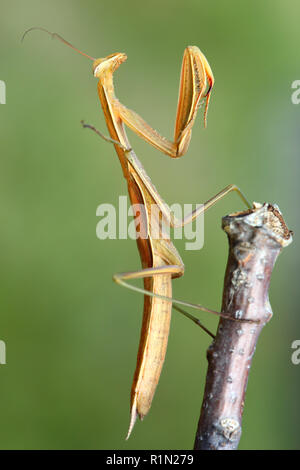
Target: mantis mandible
{"x":160,"y":260}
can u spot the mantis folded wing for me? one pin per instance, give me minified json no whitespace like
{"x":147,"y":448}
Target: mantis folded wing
{"x":160,"y":260}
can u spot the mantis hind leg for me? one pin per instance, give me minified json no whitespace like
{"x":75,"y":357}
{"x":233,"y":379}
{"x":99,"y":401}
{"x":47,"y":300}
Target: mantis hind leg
{"x":146,"y":273}
{"x":122,"y":278}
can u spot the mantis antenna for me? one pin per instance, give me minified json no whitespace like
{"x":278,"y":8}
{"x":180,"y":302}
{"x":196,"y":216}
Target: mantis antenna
{"x":57,"y":36}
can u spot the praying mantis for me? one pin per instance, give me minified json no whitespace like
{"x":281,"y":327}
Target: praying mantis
{"x":160,"y":260}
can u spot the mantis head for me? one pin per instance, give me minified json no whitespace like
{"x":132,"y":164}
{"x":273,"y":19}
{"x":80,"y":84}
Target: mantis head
{"x":108,"y":64}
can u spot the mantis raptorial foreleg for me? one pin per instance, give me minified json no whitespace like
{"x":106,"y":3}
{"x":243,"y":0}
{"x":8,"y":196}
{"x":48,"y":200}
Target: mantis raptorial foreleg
{"x":196,"y":79}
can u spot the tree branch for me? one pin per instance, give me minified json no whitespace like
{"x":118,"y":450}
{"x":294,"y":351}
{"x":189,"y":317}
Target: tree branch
{"x":256,"y":238}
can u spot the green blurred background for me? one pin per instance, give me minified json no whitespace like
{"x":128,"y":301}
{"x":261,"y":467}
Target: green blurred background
{"x":71,"y":333}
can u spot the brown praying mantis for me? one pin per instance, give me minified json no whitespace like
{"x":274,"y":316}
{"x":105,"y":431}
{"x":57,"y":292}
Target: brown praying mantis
{"x":160,"y":260}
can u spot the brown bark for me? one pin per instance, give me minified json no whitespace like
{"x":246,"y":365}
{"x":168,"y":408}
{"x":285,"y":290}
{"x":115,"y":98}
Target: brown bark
{"x":255,"y":238}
